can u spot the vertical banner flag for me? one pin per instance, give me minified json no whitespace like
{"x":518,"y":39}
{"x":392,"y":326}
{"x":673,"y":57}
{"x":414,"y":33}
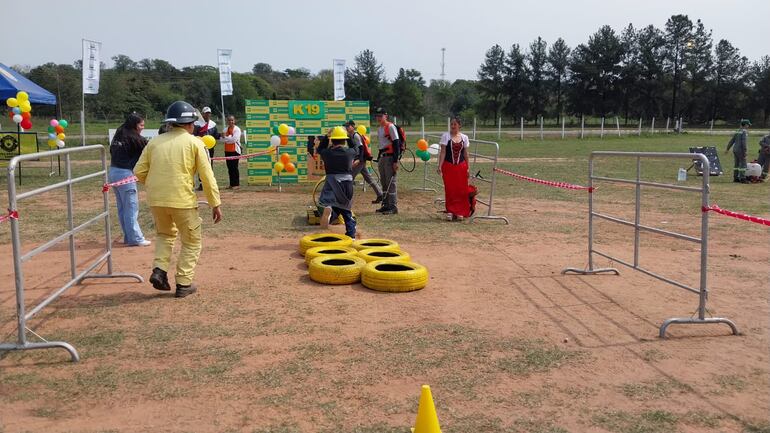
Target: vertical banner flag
{"x":339,"y":79}
{"x":225,"y":78}
{"x":91,"y":64}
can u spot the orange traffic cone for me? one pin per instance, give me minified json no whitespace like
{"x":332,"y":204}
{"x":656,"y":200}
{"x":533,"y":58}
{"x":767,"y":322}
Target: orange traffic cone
{"x":427,"y":420}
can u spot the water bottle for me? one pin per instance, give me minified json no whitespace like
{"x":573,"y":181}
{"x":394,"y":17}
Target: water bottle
{"x":682,"y":175}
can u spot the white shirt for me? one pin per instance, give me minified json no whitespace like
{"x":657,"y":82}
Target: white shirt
{"x":447,"y":137}
{"x":235,"y":138}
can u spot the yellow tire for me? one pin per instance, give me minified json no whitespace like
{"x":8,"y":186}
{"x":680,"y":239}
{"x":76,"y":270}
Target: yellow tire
{"x":372,"y":254}
{"x":383,"y":244}
{"x":394,"y":276}
{"x":314,"y":252}
{"x":323,"y":240}
{"x":336,"y":270}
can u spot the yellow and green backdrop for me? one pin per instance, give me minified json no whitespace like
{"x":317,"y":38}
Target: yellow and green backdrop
{"x":307,"y":118}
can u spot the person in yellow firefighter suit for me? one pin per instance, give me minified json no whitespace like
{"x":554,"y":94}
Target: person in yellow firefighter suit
{"x":167,"y":167}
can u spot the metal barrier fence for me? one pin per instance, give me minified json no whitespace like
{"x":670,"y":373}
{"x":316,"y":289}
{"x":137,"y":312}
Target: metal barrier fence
{"x":702,"y":291}
{"x":20,"y":257}
{"x":473,"y":166}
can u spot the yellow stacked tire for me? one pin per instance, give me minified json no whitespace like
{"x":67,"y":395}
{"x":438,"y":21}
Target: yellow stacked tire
{"x":372,"y":254}
{"x":384,"y":244}
{"x":336,"y":270}
{"x":394,"y":276}
{"x":323,"y":240}
{"x":314,"y":252}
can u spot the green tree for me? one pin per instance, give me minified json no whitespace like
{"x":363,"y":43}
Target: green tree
{"x":366,"y":80}
{"x":650,"y":83}
{"x":760,"y":77}
{"x":537,"y":58}
{"x":491,"y":82}
{"x":629,"y":70}
{"x":407,"y":94}
{"x":595,"y":75}
{"x":699,"y":65}
{"x":517,"y":84}
{"x":730,"y":79}
{"x":678,"y":37}
{"x":558,"y":67}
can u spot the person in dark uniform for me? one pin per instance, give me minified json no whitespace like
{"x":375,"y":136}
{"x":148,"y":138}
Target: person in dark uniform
{"x":764,"y":155}
{"x":337,"y":194}
{"x":739,"y":142}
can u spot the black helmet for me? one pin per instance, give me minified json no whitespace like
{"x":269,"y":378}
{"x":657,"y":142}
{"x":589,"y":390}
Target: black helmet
{"x":180,"y":112}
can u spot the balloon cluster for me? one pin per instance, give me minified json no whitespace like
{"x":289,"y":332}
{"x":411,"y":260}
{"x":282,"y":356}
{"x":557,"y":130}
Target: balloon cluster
{"x":281,"y":135}
{"x":20,"y":110}
{"x":56,"y":134}
{"x":422,"y":150}
{"x":285,"y":164}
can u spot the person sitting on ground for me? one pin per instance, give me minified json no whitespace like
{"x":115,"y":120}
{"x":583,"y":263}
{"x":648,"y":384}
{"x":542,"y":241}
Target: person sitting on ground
{"x":453,"y":168}
{"x":232,"y":138}
{"x":337,"y":194}
{"x":764,"y":155}
{"x":126,"y":147}
{"x":356,"y":141}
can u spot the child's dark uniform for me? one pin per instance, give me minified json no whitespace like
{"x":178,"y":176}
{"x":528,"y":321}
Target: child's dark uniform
{"x":337,"y":192}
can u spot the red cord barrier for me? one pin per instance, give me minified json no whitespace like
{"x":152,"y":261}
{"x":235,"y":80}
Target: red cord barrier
{"x":740,"y":216}
{"x":248,"y":155}
{"x":125,"y":181}
{"x":11,"y":215}
{"x":563,"y":185}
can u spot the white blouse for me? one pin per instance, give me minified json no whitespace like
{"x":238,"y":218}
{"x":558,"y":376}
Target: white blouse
{"x":447,"y":137}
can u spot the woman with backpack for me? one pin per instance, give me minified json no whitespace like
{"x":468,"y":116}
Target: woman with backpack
{"x":453,"y":168}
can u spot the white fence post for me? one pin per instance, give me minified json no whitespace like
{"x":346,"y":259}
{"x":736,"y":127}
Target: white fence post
{"x":499,"y":127}
{"x":422,"y":126}
{"x":601,"y":134}
{"x":582,"y":126}
{"x":448,"y":124}
{"x":521,"y":128}
{"x":711,"y":127}
{"x":474,"y":127}
{"x":652,"y":126}
{"x":639,"y":133}
{"x":562,"y":127}
{"x":617,"y":125}
{"x":541,"y":127}
{"x":668,"y":120}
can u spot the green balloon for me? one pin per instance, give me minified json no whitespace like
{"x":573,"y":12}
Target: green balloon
{"x":419,"y":153}
{"x":51,"y":129}
{"x":425,"y":157}
{"x":63,"y":123}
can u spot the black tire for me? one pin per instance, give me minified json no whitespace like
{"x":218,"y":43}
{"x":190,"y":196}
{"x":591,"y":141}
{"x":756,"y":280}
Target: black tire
{"x":407,"y":160}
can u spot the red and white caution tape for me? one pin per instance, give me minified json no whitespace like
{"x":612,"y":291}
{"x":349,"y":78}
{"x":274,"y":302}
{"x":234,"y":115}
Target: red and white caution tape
{"x":126,"y":181}
{"x":563,"y":185}
{"x":740,"y":216}
{"x":248,"y":155}
{"x":11,"y":215}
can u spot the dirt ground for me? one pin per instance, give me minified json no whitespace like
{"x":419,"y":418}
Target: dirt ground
{"x":506,"y":342}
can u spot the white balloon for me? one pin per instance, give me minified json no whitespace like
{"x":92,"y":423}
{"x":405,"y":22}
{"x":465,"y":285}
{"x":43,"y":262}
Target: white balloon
{"x":17,"y":118}
{"x":59,"y":143}
{"x":275,"y":141}
{"x":433,"y":149}
{"x":292,"y":131}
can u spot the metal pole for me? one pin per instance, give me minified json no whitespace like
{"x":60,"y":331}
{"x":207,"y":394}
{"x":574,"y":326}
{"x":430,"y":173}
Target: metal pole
{"x":617,"y":125}
{"x":704,"y":248}
{"x":562,"y":127}
{"x":448,"y":124}
{"x":639,"y":133}
{"x":17,"y":267}
{"x":668,"y":120}
{"x":474,"y":127}
{"x":422,"y":126}
{"x":107,"y":227}
{"x":590,"y":213}
{"x":582,"y":126}
{"x":70,"y":217}
{"x":222,"y":101}
{"x":637,"y":210}
{"x":601,"y":134}
{"x":652,"y":126}
{"x":521,"y":128}
{"x":499,"y":127}
{"x":711,"y":127}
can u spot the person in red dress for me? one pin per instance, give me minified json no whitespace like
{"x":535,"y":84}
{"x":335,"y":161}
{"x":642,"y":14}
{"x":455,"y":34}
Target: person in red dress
{"x":453,"y":168}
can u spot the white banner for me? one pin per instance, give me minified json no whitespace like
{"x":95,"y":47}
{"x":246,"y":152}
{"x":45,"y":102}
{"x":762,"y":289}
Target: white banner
{"x":339,"y":79}
{"x":225,"y":77}
{"x":91,"y":64}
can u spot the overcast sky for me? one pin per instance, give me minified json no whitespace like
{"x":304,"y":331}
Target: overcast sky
{"x":293,"y":34}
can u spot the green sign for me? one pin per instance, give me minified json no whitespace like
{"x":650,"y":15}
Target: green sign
{"x":307,"y":110}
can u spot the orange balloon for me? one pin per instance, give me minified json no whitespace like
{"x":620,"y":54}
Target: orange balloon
{"x":285,"y":159}
{"x":422,"y":144}
{"x":289,"y":167}
{"x":59,"y":129}
{"x":26,"y":115}
{"x":284,"y":140}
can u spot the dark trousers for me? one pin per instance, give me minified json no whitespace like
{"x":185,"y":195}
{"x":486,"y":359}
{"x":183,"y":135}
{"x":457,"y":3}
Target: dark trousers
{"x":388,"y":180}
{"x":350,"y":221}
{"x":232,"y":169}
{"x":764,"y":161}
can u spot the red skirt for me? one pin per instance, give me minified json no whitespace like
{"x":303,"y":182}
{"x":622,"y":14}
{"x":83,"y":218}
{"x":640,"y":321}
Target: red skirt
{"x":456,"y":188}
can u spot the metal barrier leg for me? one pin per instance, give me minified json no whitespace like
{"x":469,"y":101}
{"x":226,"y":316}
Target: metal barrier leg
{"x":693,"y":320}
{"x":424,"y":186}
{"x":46,"y":345}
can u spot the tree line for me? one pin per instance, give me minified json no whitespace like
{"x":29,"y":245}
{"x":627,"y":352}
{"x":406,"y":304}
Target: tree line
{"x":677,"y":71}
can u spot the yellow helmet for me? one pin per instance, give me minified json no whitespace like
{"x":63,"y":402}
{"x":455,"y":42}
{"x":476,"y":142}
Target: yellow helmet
{"x":339,"y":133}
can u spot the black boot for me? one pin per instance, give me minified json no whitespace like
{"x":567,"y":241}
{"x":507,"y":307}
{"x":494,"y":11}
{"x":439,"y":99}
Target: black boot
{"x":159,"y":280}
{"x":182,"y":291}
{"x":378,"y":199}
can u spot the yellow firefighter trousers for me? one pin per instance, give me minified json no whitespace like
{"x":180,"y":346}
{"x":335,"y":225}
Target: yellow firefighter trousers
{"x":168,"y":222}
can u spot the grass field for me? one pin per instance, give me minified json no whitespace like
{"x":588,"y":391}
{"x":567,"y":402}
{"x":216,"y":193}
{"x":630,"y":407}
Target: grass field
{"x":506,"y":344}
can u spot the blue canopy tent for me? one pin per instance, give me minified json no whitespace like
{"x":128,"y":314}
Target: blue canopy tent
{"x":12,"y":82}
